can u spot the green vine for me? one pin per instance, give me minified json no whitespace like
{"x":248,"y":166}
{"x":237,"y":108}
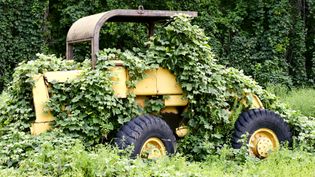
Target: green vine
{"x":22,"y":34}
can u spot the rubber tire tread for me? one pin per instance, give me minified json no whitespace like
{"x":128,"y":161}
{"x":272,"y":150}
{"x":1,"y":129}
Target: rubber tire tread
{"x":254,"y":119}
{"x":138,"y":130}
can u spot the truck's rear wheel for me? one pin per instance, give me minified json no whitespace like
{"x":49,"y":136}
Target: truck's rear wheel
{"x":266,"y":131}
{"x":150,"y":136}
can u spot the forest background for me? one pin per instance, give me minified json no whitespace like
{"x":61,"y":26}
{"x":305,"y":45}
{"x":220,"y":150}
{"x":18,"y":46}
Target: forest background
{"x":271,"y":40}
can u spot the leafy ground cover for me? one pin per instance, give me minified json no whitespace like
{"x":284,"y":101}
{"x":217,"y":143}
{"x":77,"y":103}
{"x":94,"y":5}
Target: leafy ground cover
{"x":56,"y":160}
{"x":86,"y":109}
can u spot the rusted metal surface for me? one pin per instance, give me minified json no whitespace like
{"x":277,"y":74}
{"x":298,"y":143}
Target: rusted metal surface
{"x":88,"y":28}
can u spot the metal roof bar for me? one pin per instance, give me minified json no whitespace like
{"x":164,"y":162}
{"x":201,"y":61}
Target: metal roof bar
{"x":88,"y":28}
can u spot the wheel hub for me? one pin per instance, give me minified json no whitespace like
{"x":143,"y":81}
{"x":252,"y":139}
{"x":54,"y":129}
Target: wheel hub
{"x":264,"y":146}
{"x":153,"y":148}
{"x":262,"y":142}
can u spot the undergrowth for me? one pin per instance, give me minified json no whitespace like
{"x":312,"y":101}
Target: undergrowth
{"x":57,"y":160}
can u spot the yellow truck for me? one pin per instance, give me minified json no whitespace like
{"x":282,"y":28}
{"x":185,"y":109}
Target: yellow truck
{"x":150,"y":135}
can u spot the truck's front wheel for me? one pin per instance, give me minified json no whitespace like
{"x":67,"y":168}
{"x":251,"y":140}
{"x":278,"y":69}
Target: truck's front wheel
{"x":150,"y":137}
{"x":266,"y":130}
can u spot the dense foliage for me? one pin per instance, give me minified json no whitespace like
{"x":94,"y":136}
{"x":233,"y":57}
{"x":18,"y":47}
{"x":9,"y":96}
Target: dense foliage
{"x":17,"y":112}
{"x":22,"y":33}
{"x":273,"y":41}
{"x":56,"y":160}
{"x":86,"y":108}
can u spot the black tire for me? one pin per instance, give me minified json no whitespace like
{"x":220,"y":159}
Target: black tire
{"x":138,"y":130}
{"x":255,"y":119}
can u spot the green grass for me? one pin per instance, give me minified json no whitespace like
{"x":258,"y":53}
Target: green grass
{"x":302,"y":99}
{"x":105,"y":161}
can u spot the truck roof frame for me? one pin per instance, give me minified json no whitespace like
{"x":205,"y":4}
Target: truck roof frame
{"x":87,"y":29}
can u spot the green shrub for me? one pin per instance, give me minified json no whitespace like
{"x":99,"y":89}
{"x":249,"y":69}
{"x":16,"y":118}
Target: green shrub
{"x":17,"y":146}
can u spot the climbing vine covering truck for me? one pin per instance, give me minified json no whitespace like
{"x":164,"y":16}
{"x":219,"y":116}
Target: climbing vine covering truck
{"x":155,"y":133}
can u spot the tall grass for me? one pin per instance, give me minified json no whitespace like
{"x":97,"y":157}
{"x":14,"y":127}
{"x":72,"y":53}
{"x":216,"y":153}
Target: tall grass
{"x":302,"y":99}
{"x":106,"y":161}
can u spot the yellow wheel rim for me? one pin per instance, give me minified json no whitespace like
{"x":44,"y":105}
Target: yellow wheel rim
{"x":153,"y":148}
{"x":262,"y":142}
